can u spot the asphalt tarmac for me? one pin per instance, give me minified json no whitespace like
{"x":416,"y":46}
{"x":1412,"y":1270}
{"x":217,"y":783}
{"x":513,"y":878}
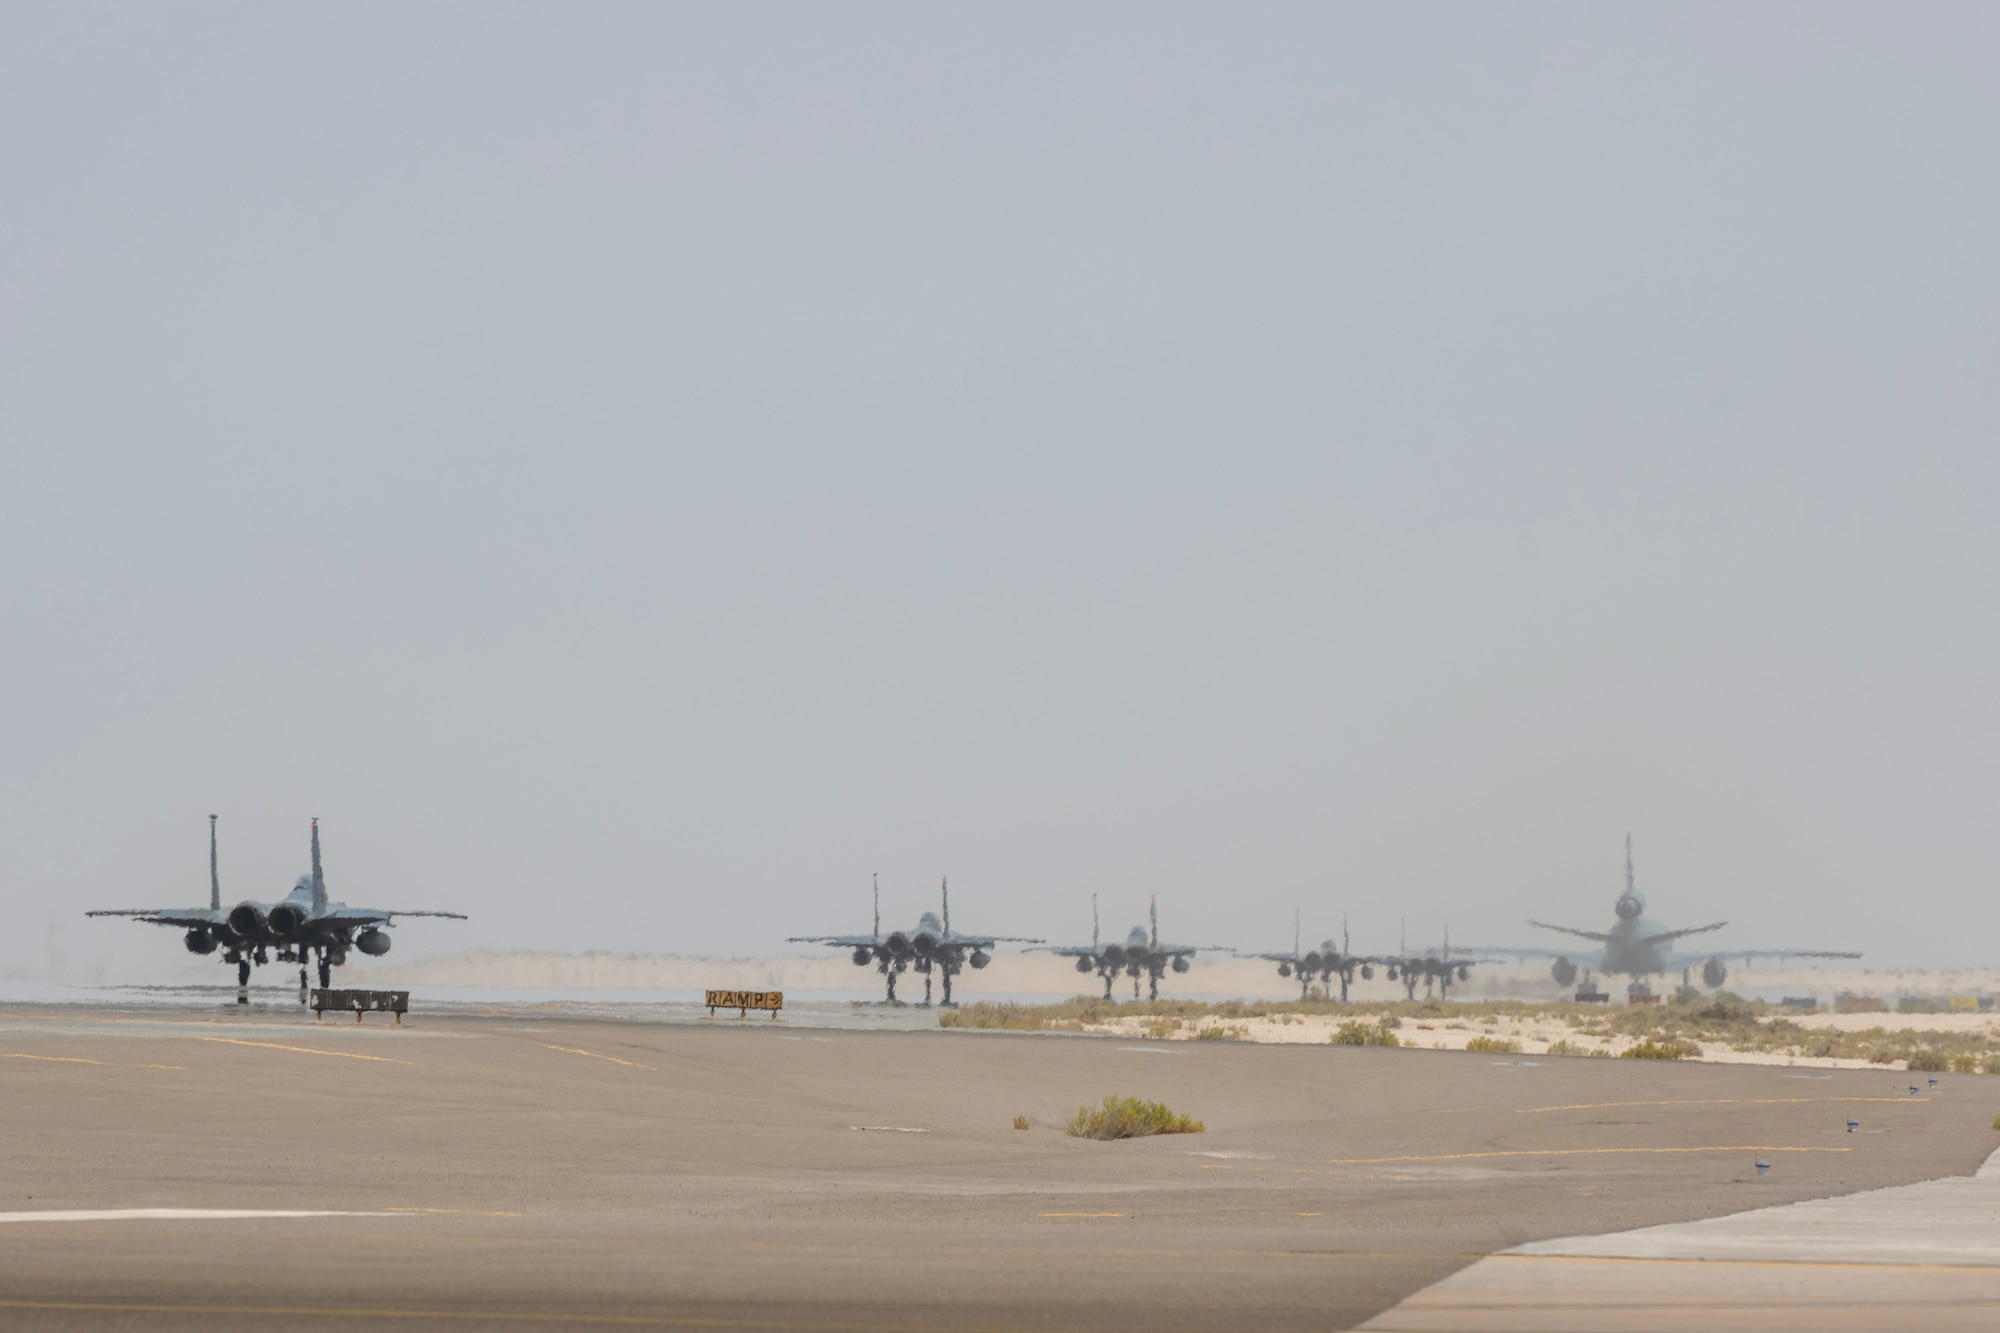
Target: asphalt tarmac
{"x":524,"y":1169}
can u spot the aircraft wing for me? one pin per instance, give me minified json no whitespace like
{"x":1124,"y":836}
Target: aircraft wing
{"x":1504,"y":951}
{"x":166,"y":916}
{"x":365,"y":916}
{"x":1745,"y":955}
{"x":844,"y":941}
{"x":957,"y":940}
{"x":1599,"y":936}
{"x":1068,"y":950}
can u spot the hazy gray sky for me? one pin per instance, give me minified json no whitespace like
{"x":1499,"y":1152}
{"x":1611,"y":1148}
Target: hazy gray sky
{"x":633,"y":471}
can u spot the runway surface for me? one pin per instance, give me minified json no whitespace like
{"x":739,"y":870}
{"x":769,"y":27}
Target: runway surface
{"x":535,"y":1170}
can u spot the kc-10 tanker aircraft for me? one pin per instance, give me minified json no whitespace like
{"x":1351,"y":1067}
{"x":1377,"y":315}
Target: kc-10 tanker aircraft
{"x":1637,"y":948}
{"x":1140,"y":955}
{"x":294,"y":926}
{"x":933,"y":947}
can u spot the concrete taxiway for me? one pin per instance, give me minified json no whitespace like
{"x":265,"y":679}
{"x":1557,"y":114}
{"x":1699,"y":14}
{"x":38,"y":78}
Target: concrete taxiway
{"x":530,"y":1169}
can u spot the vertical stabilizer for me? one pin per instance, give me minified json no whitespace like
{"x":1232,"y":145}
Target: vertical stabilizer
{"x":944,"y":888}
{"x":1628,"y":863}
{"x":878,"y":908}
{"x":1153,"y":909}
{"x":1345,"y":947}
{"x":1093,"y":923}
{"x":1295,"y":932}
{"x":214,"y":878}
{"x":319,"y":877}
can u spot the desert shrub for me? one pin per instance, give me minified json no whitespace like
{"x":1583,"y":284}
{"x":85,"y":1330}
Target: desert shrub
{"x":1565,"y":1047}
{"x":1215,"y":1032}
{"x":1927,"y":1061}
{"x":1661,"y":1050}
{"x":1354,"y":1032}
{"x":1128,"y":1118}
{"x":1484,"y":1043}
{"x":1964,"y":1064}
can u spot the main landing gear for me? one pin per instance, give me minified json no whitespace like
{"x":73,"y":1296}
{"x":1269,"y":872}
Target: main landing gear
{"x":242,"y":980}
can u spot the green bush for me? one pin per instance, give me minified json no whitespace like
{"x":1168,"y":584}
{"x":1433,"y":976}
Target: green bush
{"x":1928,"y":1061}
{"x":1484,"y":1043}
{"x":1128,"y":1118}
{"x":1354,"y":1032}
{"x":1566,"y":1047}
{"x":1660,"y":1050}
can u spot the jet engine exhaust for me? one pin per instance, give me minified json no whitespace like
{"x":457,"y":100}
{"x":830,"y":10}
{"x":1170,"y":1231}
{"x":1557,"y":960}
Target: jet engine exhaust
{"x":247,"y":920}
{"x":285,"y":918}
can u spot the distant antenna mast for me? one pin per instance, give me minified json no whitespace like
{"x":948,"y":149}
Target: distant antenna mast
{"x":878,"y":907}
{"x":214,"y":879}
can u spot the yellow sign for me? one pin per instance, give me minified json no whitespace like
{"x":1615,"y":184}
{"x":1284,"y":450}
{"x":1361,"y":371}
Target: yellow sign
{"x":744,"y":1000}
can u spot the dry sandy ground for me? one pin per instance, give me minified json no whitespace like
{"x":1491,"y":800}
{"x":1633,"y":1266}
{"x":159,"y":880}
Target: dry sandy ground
{"x":1535,"y":1035}
{"x":524,"y":1170}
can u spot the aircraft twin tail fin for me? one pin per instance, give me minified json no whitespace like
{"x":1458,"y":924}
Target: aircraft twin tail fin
{"x":319,"y":879}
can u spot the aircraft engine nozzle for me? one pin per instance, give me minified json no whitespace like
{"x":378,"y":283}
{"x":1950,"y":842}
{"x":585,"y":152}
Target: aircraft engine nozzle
{"x":899,"y":944}
{"x":1392,"y":972}
{"x":286,"y":918}
{"x":247,"y":920}
{"x":1314,"y":962}
{"x":861,"y":957}
{"x":200,"y":941}
{"x":1630,"y":906}
{"x":1284,"y":969}
{"x":1464,"y":972}
{"x":1114,"y":955}
{"x":372,"y":942}
{"x":924,"y":943}
{"x":1085,"y":963}
{"x":1564,"y":971}
{"x":980,"y":958}
{"x":1367,"y":972}
{"x":1180,"y":962}
{"x":1713,"y":973}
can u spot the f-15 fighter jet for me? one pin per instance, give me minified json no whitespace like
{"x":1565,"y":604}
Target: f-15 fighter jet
{"x":300,"y":922}
{"x":1141,"y":954}
{"x":1322,"y":964}
{"x":932,"y":949}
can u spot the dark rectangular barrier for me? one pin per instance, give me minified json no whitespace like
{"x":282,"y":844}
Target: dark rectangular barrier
{"x":395,"y":1002}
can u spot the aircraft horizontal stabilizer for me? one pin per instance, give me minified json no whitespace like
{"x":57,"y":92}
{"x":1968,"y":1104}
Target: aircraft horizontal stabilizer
{"x":1599,"y":936}
{"x":1666,"y":935}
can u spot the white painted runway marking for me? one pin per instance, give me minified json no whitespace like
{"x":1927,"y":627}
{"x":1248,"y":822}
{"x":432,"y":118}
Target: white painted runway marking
{"x":889,"y":1129}
{"x":174,"y":1214}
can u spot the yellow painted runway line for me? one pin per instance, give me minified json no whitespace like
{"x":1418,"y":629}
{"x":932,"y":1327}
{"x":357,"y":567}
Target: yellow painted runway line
{"x":307,"y":1050}
{"x":79,"y":1060}
{"x":571,"y":1050}
{"x":1715,"y":1101}
{"x":267,"y":1312}
{"x":1566,"y":1152}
